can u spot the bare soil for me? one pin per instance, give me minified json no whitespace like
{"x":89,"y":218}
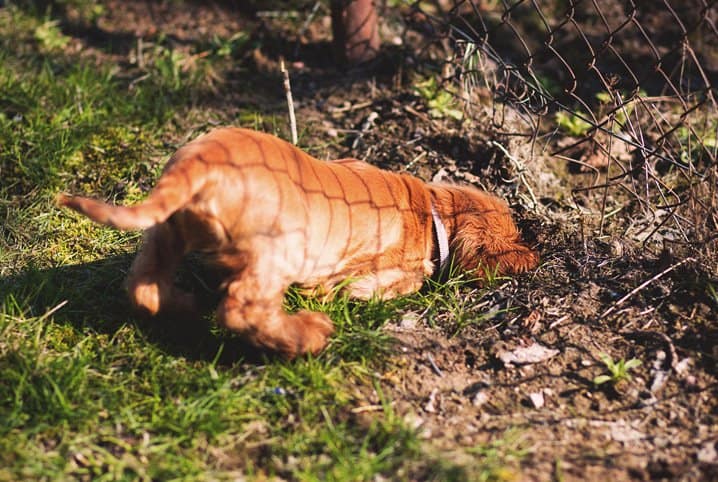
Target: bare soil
{"x":592,"y":294}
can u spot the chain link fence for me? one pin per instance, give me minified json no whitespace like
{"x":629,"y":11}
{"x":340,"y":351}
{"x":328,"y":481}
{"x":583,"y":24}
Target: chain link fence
{"x":623,"y":91}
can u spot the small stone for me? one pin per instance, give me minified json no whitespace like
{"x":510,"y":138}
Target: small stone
{"x":683,"y":365}
{"x":413,"y":421}
{"x":623,"y":432}
{"x":522,"y":355}
{"x":480,"y":398}
{"x":430,"y":406}
{"x":661,"y":442}
{"x":441,"y":175}
{"x":707,"y":454}
{"x":537,"y":399}
{"x":409,"y":321}
{"x":659,"y":380}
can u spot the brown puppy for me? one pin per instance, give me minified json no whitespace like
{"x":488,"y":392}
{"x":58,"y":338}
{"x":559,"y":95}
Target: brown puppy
{"x":271,"y":216}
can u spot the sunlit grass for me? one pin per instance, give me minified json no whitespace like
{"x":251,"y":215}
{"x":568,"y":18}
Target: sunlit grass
{"x":91,"y":391}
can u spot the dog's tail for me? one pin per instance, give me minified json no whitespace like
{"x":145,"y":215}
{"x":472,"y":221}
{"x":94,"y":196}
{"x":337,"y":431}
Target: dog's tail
{"x":174,"y":190}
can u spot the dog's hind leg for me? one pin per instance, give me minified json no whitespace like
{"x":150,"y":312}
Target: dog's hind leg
{"x":253,"y":308}
{"x":150,"y":283}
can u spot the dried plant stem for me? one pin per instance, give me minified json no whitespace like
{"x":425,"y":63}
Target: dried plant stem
{"x":290,"y":102}
{"x":52,"y":311}
{"x":433,"y":365}
{"x":643,"y":285}
{"x":520,"y":168}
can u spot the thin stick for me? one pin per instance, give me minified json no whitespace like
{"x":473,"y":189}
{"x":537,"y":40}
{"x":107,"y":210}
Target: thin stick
{"x":369,"y":408}
{"x":643,"y":285}
{"x":305,"y":26}
{"x":290,"y":102}
{"x":433,"y":365}
{"x":52,"y":311}
{"x":140,"y":53}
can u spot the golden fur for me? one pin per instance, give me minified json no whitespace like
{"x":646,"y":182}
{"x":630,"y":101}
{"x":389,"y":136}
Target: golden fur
{"x":271,"y":216}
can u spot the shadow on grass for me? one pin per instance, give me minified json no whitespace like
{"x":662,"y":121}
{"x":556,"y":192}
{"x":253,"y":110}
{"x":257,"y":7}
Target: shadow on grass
{"x":94,"y":300}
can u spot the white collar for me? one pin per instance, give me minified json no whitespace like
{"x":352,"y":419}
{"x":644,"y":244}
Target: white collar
{"x":442,"y":239}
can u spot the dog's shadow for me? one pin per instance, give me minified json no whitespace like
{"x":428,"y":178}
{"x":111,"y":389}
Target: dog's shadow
{"x":91,"y":297}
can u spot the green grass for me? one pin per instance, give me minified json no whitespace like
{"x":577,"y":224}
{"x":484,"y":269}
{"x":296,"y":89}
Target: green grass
{"x":88,"y":390}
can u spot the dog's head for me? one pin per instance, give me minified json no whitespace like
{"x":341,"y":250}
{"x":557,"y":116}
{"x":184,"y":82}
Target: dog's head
{"x":482,"y":236}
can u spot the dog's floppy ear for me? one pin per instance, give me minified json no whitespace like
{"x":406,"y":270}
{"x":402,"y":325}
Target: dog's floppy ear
{"x":473,"y":249}
{"x":485,"y":236}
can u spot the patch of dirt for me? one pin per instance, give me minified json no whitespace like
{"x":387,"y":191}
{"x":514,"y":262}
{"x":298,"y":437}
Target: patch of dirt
{"x":459,"y":392}
{"x":593,"y":293}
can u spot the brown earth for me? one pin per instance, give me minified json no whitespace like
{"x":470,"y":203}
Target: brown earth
{"x":593,"y":293}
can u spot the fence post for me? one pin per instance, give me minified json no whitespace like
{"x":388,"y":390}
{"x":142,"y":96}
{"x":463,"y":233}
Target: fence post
{"x":354,"y":26}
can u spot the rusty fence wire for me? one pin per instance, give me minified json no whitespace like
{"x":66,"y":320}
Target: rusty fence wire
{"x":623,"y":91}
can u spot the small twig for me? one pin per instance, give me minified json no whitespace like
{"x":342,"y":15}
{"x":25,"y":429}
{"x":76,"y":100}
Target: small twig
{"x":290,"y":102}
{"x":643,"y":285}
{"x":193,"y":58}
{"x":136,"y":81}
{"x":350,"y":107}
{"x":365,"y":127}
{"x":280,"y":14}
{"x":416,"y":113}
{"x":140,"y":53}
{"x":433,"y":365}
{"x":418,"y":158}
{"x":558,"y":322}
{"x":53,"y":310}
{"x":369,"y":408}
{"x":310,"y":18}
{"x":305,"y":26}
{"x":344,"y":131}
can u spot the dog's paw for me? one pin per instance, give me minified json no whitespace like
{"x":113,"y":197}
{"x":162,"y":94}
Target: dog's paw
{"x":149,"y":299}
{"x":145,"y":298}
